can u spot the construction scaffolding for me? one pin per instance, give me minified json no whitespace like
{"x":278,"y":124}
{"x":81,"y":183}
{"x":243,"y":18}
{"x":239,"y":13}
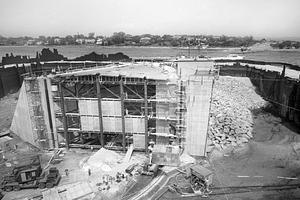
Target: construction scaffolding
{"x":113,"y":111}
{"x":115,"y":107}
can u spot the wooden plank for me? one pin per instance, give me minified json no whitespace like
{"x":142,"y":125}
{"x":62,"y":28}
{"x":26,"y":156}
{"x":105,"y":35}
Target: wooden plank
{"x":128,"y":154}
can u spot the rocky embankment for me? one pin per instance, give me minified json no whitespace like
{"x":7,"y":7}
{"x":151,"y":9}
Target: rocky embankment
{"x":233,"y":102}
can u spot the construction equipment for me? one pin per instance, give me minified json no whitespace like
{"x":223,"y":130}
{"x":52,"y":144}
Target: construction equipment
{"x":200,"y":178}
{"x":150,"y":169}
{"x":30,"y":176}
{"x":130,"y":168}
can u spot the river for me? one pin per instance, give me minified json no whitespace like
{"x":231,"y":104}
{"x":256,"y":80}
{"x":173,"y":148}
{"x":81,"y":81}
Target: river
{"x":289,"y":56}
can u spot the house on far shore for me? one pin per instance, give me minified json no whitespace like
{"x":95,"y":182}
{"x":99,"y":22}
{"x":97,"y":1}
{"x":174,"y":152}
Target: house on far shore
{"x":99,"y":41}
{"x":145,"y":40}
{"x":90,"y":41}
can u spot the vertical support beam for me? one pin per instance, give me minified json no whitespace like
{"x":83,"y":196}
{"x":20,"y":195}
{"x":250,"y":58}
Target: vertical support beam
{"x":63,"y":111}
{"x":146,"y":113}
{"x":76,"y":90}
{"x":100,"y":137}
{"x":18,"y":76}
{"x":30,"y":69}
{"x":49,"y":112}
{"x":2,"y":93}
{"x":122,"y":112}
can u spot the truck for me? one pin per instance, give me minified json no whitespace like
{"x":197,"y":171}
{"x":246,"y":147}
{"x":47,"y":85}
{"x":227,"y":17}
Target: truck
{"x":30,"y":176}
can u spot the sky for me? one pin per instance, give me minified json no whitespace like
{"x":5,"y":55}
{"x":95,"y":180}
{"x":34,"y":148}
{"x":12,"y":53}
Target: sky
{"x":259,"y":18}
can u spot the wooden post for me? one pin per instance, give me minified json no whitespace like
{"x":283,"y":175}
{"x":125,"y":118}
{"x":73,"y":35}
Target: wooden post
{"x":100,"y":137}
{"x":122,"y":112}
{"x":63,"y":111}
{"x":146,"y":113}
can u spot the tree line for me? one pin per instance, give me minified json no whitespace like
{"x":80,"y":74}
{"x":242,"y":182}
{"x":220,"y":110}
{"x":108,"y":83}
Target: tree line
{"x":123,"y":39}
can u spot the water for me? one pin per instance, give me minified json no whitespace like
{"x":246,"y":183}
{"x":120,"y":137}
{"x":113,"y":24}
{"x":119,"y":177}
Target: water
{"x":289,"y":56}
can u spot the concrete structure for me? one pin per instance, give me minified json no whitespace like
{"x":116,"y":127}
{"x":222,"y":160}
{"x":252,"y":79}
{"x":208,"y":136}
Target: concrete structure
{"x":117,"y":105}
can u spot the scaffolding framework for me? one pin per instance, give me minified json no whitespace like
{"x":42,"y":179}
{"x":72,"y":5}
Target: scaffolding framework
{"x":93,"y":110}
{"x":141,"y":102}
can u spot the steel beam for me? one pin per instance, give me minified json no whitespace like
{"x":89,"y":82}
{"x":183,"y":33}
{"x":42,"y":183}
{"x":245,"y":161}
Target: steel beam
{"x":112,"y":91}
{"x":69,"y":91}
{"x":134,"y":92}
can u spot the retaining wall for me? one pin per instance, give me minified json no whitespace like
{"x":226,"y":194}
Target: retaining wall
{"x":10,"y":79}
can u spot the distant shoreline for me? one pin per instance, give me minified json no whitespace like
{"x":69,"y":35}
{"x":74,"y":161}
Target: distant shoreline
{"x":146,"y":47}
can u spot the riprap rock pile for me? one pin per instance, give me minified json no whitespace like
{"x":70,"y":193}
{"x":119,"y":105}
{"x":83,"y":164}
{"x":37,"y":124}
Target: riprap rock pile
{"x":231,"y":119}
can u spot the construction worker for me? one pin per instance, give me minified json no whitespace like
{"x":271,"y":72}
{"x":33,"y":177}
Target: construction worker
{"x":67,"y":172}
{"x":172,"y":129}
{"x":151,"y":145}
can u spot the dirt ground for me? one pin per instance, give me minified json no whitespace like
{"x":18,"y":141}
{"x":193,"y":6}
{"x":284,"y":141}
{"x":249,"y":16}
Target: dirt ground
{"x":271,"y":158}
{"x":266,"y":160}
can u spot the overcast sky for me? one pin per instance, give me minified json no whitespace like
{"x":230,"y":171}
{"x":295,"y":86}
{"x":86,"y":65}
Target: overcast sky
{"x":260,"y":18}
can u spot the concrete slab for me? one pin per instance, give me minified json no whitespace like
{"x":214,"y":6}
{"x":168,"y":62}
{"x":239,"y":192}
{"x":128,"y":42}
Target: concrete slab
{"x":137,"y":70}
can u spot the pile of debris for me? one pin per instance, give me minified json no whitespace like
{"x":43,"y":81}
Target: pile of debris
{"x":231,"y":120}
{"x":103,"y":160}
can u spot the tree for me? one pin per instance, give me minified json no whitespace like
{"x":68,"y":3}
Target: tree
{"x":118,"y":38}
{"x":91,"y":35}
{"x":42,"y":38}
{"x":69,"y":40}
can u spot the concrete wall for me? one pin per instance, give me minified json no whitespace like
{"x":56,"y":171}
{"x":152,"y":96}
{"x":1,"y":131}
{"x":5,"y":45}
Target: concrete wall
{"x":198,"y":107}
{"x":21,"y":123}
{"x":51,"y":94}
{"x":43,"y":90}
{"x":31,"y":118}
{"x":198,"y":83}
{"x":185,"y":69}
